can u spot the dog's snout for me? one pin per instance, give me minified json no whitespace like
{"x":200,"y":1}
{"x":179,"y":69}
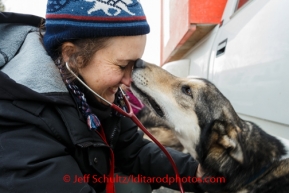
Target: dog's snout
{"x":139,"y":63}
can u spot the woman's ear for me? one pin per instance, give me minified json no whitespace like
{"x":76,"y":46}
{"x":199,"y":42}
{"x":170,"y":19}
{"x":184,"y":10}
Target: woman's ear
{"x":67,"y":49}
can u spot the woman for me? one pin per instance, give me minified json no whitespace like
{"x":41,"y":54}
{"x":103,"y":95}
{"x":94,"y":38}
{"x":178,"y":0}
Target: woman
{"x":55,"y":134}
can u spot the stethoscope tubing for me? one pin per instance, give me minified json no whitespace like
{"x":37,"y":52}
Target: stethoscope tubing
{"x":132,"y":116}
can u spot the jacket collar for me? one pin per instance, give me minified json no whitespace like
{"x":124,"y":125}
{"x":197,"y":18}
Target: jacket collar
{"x":27,"y":72}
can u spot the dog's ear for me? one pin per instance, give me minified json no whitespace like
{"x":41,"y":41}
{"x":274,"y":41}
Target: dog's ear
{"x":228,"y":139}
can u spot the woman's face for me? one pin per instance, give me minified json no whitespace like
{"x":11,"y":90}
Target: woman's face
{"x":112,"y":66}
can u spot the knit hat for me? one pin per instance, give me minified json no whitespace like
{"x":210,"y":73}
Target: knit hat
{"x":75,"y":19}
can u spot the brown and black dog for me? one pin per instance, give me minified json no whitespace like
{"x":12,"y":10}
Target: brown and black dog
{"x":207,"y":125}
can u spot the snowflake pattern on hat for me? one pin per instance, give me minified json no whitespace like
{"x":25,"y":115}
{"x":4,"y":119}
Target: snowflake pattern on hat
{"x":105,"y":5}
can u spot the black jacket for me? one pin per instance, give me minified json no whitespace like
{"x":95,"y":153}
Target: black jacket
{"x":44,"y":139}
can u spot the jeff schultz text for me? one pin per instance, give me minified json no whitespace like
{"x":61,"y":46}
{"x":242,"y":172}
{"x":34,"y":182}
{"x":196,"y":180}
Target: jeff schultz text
{"x":87,"y":178}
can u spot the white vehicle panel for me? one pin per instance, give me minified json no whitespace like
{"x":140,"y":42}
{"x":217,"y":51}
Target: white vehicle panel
{"x":200,"y":55}
{"x":253,"y":71}
{"x":251,"y":68}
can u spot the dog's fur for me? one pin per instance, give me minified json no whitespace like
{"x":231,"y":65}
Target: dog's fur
{"x":159,"y":129}
{"x":207,"y":125}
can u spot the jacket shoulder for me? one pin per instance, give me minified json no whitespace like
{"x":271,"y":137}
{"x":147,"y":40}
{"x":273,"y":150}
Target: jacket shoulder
{"x":37,"y":139}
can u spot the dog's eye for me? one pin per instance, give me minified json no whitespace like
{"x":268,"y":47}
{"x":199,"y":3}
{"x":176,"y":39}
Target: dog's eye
{"x":187,"y":90}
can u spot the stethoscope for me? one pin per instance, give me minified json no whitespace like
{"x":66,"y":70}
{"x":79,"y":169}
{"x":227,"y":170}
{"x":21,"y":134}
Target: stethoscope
{"x":132,"y":116}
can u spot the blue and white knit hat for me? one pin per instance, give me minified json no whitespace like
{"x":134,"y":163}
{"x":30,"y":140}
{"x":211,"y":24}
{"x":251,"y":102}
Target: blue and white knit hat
{"x":75,"y":19}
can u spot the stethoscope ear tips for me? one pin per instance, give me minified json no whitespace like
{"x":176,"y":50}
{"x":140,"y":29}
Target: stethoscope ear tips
{"x":139,"y":63}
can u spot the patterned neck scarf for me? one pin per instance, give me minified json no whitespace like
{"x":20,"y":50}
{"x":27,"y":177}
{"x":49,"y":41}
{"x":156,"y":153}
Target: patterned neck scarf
{"x":92,"y":120}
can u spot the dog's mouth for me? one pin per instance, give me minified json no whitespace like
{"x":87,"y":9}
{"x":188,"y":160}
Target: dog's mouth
{"x":149,"y":99}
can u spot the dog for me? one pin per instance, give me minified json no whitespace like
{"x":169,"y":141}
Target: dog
{"x":105,"y":5}
{"x":205,"y":122}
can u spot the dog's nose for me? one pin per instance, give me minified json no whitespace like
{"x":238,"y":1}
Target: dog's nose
{"x":139,"y":63}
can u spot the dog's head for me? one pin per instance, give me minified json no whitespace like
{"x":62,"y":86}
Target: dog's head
{"x":207,"y":126}
{"x":187,"y":104}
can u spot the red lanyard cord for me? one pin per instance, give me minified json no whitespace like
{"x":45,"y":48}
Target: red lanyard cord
{"x":110,"y":182}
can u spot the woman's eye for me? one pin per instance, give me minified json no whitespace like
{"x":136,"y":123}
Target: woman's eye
{"x":122,"y":66}
{"x":187,"y":90}
{"x":126,"y":65}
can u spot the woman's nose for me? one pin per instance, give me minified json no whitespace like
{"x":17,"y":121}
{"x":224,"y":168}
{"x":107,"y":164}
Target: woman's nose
{"x":127,"y":78}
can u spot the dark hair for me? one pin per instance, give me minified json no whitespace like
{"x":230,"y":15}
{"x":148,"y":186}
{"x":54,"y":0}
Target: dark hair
{"x":86,"y":48}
